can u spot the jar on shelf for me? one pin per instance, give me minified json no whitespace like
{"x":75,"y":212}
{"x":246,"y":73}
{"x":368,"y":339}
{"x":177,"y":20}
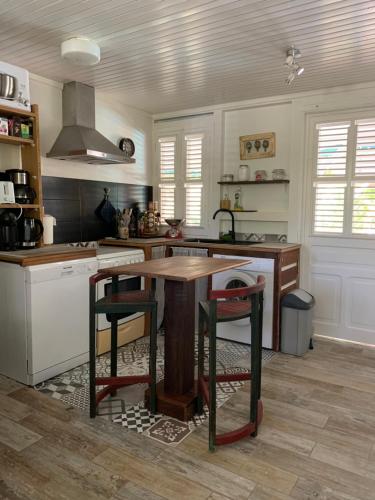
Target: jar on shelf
{"x":243,"y":173}
{"x":278,"y":174}
{"x":225,"y":202}
{"x":260,"y":175}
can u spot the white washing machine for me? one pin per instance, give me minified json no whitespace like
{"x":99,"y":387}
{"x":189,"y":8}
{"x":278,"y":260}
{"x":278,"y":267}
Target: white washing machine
{"x":240,"y":331}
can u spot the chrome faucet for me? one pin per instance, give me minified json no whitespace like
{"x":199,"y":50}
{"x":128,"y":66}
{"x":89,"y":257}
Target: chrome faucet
{"x":232,"y":232}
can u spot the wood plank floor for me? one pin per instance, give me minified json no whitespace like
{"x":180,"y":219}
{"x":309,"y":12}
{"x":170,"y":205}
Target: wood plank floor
{"x":317,"y":441}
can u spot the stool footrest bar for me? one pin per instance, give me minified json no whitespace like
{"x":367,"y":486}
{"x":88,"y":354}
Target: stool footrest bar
{"x":241,"y":432}
{"x":230,"y":377}
{"x":121,"y":381}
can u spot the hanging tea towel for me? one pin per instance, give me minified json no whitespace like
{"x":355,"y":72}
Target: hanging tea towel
{"x":106,"y":211}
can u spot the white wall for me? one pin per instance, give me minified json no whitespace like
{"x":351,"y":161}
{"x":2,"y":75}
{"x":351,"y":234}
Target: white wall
{"x":340,"y":272}
{"x":274,"y":198}
{"x":113,"y":119}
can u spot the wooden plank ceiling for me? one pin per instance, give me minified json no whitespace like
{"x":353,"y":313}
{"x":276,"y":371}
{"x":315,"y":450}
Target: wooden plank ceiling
{"x":162,"y":55}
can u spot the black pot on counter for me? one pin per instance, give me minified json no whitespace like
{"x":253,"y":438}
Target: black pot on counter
{"x":8,"y":231}
{"x":30,"y":231}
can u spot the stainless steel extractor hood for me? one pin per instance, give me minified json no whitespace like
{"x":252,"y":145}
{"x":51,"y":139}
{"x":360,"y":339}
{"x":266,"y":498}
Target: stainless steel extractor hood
{"x":78,"y":139}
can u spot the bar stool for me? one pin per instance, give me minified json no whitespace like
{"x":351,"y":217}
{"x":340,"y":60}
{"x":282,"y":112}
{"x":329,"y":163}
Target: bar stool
{"x":116,"y":305}
{"x":223,"y":306}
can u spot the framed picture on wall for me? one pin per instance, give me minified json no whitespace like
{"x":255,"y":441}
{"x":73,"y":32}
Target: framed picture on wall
{"x":257,"y":146}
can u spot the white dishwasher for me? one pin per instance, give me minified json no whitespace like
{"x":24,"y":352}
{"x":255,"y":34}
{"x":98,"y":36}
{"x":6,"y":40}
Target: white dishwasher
{"x":46,"y":319}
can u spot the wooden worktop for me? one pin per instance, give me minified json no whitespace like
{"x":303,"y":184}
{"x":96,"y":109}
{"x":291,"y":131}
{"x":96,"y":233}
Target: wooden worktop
{"x":46,"y":255}
{"x":259,"y":247}
{"x":152,"y":242}
{"x":178,"y":268}
{"x":135,"y":242}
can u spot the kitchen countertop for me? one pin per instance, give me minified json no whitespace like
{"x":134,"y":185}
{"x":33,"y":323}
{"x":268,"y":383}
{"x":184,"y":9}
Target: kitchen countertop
{"x":46,"y":255}
{"x":135,"y":242}
{"x":59,"y":253}
{"x":258,"y":247}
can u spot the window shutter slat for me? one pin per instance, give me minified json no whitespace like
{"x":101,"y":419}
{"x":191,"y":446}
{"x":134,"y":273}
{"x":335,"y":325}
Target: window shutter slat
{"x":193,"y":204}
{"x":193,"y":176}
{"x":167,"y":151}
{"x":332,"y":149}
{"x":167,"y":201}
{"x":194,"y":150}
{"x":365,"y":149}
{"x":167,"y":171}
{"x":363,"y":217}
{"x":329,"y":207}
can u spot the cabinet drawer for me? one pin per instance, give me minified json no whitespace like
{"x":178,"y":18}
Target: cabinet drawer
{"x":289,"y":258}
{"x":289,"y":275}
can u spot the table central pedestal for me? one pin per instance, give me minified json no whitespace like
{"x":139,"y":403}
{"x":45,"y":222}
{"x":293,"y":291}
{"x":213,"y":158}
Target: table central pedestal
{"x":176,"y":394}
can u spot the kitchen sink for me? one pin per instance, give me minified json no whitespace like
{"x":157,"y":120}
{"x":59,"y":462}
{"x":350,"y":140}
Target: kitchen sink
{"x":225,"y":242}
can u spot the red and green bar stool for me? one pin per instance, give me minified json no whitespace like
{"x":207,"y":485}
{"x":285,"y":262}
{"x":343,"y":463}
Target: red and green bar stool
{"x":222,"y":306}
{"x":116,"y":305}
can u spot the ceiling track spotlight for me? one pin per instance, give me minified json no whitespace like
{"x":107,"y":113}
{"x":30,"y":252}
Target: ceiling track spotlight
{"x":295,"y":69}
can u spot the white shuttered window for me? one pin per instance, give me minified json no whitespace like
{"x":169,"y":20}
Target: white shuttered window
{"x":344,"y":184}
{"x":181,"y":177}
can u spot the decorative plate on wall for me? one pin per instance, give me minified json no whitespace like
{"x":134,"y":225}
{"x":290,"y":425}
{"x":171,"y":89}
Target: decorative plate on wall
{"x":257,"y":146}
{"x":127,"y":146}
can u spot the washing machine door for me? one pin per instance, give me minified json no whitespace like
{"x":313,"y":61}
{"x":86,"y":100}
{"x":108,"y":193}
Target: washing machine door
{"x":236,"y":279}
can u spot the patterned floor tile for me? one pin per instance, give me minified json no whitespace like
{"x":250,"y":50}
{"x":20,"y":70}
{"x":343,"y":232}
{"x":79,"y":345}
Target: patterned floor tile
{"x":127,"y":408}
{"x":169,"y":431}
{"x":137,"y":418}
{"x":78,"y":399}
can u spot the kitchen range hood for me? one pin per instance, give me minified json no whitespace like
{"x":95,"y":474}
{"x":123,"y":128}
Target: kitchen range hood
{"x":78,"y":139}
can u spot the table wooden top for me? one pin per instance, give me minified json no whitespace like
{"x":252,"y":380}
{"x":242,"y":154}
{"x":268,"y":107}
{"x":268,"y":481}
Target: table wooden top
{"x":178,"y":268}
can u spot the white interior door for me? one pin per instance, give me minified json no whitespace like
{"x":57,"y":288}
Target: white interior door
{"x":342,"y":266}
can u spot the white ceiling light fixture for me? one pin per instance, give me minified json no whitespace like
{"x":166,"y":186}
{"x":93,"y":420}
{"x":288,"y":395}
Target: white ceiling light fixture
{"x":292,"y":55}
{"x":80,"y":51}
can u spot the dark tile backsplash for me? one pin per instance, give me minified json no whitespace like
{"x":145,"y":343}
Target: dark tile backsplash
{"x":73,"y":202}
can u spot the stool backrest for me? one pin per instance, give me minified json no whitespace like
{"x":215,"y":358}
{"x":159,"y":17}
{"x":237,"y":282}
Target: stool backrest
{"x":245,"y":291}
{"x":98,"y":277}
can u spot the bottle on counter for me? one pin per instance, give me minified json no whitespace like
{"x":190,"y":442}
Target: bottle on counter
{"x":237,"y":200}
{"x":133,"y":226}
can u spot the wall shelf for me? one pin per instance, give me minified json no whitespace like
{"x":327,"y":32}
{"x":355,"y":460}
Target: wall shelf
{"x":10,"y":139}
{"x":8,"y":111}
{"x":30,"y":157}
{"x":16,"y":205}
{"x":235,"y":183}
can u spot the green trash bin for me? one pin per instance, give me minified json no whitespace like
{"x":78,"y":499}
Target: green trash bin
{"x":296,"y":322}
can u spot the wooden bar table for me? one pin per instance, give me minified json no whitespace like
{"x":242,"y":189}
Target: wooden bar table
{"x":176,"y":394}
